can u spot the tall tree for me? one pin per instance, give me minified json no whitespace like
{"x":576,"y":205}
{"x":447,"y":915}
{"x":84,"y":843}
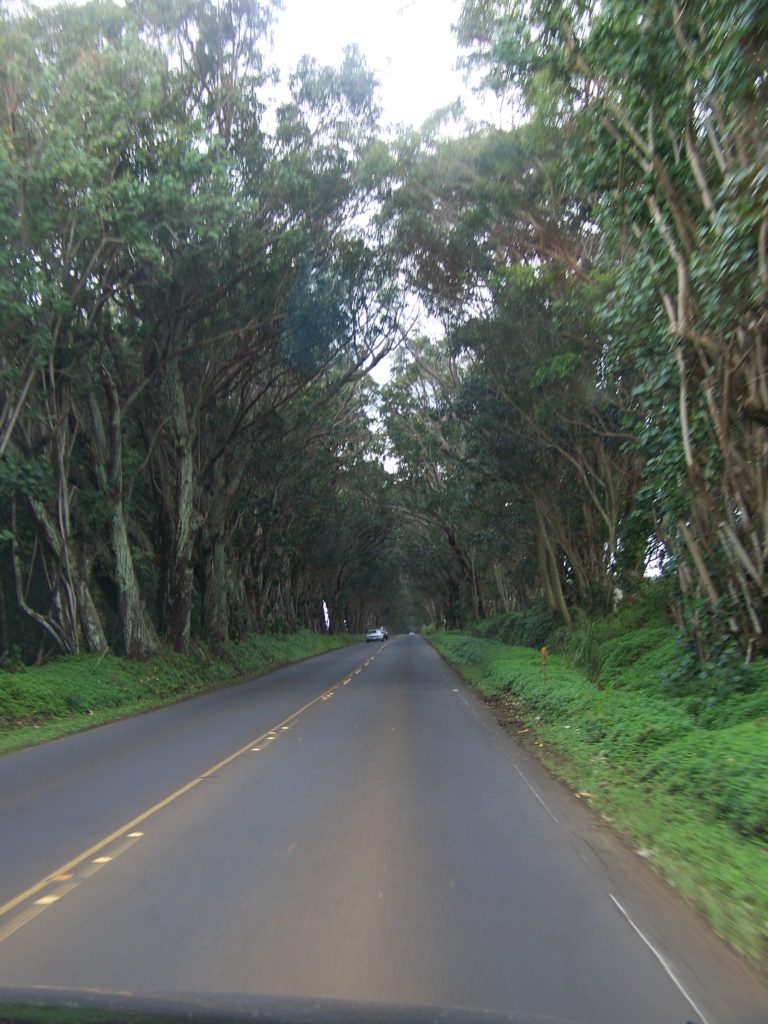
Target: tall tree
{"x":664,"y":112}
{"x":175,"y":276}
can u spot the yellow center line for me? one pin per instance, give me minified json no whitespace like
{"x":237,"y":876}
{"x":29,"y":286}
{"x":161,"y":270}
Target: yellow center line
{"x":91,"y":852}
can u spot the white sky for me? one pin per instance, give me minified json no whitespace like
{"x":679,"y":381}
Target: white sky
{"x":407,"y":43}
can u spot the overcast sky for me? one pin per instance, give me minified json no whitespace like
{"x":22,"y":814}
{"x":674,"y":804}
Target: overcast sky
{"x":408,"y":43}
{"x":410,"y":46}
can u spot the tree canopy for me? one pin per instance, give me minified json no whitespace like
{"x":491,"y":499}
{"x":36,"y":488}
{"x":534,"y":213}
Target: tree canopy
{"x":197,"y":279}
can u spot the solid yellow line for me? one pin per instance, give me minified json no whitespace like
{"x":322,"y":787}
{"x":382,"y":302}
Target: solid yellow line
{"x":71,"y":864}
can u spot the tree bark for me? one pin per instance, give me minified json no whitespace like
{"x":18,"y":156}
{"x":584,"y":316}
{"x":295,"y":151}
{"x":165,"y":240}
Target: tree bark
{"x":138,"y":633}
{"x":139,"y":637}
{"x":90,"y":620}
{"x":176,"y":474}
{"x":215,"y":602}
{"x":550,"y":572}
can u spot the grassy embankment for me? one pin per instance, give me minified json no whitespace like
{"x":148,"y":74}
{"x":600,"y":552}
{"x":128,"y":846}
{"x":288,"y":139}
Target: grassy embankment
{"x":679,"y":767}
{"x":77,"y":692}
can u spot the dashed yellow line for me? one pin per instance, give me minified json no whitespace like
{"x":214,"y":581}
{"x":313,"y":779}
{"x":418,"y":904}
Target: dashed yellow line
{"x":66,"y":871}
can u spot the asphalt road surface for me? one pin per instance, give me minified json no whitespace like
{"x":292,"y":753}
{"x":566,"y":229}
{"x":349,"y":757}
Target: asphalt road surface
{"x":353,"y":827}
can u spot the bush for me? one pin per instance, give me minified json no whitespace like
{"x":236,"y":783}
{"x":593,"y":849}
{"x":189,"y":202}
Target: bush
{"x":90,"y":684}
{"x":628,"y":726}
{"x":583,"y":647}
{"x":641,"y":659}
{"x":733,"y":709}
{"x":624,"y":725}
{"x":726,"y":771}
{"x":529,"y":628}
{"x":697,"y":797}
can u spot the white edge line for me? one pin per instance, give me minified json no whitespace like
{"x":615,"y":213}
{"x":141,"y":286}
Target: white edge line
{"x":549,"y":810}
{"x":551,"y":813}
{"x":662,"y":960}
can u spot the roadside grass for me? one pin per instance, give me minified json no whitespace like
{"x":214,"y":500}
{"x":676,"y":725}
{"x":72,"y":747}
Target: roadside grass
{"x":76,"y":692}
{"x":684,"y":777}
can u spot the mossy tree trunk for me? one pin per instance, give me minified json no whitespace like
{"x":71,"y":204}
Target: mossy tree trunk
{"x":138,"y":633}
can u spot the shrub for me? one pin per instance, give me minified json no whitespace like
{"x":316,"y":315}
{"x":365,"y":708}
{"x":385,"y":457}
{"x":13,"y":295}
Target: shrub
{"x":682,"y":769}
{"x":85,"y":684}
{"x":529,"y":628}
{"x":641,"y":659}
{"x":726,"y":771}
{"x":583,"y":648}
{"x":628,"y":726}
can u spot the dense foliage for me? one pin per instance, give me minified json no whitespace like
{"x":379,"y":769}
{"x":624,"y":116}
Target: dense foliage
{"x":686,"y":784}
{"x":198,"y":272}
{"x":601,"y":273}
{"x":189,"y":310}
{"x":74,"y":692}
{"x":196,"y":278}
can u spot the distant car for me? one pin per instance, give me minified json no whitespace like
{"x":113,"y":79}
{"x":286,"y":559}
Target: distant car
{"x":374,"y":634}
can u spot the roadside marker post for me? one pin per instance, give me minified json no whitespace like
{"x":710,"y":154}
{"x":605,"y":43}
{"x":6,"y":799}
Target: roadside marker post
{"x":544,"y":652}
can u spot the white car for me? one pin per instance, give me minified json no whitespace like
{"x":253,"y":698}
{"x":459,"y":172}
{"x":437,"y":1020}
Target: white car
{"x":374,"y":634}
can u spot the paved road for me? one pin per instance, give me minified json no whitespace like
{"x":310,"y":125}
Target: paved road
{"x":375,"y":836}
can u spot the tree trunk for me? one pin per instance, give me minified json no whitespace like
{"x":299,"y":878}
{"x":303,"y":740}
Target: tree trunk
{"x":551,"y":573}
{"x":175,"y":467}
{"x":180,"y":580}
{"x":90,"y":620}
{"x":138,"y":634}
{"x":501,"y":587}
{"x":139,"y":637}
{"x":215,"y":603}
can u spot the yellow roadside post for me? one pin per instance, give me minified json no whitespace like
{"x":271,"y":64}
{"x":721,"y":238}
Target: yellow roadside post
{"x":544,"y":651}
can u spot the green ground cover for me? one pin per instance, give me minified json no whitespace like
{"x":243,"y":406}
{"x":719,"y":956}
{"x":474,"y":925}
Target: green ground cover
{"x":680,"y":766}
{"x":76,"y":692}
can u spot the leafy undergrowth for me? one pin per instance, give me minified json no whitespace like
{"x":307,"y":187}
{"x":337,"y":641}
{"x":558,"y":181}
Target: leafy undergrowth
{"x":684,"y":775}
{"x":78,"y":691}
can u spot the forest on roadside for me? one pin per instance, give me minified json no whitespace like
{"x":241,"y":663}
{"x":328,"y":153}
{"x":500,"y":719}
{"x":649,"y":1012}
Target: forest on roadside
{"x":197,"y":278}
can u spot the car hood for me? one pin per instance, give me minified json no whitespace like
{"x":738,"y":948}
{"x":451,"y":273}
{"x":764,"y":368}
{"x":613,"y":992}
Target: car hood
{"x":58,"y":1006}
